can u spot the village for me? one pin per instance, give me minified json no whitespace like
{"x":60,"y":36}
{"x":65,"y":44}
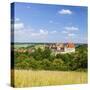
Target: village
{"x":56,"y":48}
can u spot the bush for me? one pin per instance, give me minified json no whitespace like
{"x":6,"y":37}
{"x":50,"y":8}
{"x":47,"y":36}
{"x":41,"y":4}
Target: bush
{"x":44,"y":60}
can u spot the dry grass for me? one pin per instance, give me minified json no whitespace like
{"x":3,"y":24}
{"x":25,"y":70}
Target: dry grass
{"x":27,"y":78}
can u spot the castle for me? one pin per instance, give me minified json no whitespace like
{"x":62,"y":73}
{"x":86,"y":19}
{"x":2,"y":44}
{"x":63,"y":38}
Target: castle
{"x":62,"y":48}
{"x":56,"y":48}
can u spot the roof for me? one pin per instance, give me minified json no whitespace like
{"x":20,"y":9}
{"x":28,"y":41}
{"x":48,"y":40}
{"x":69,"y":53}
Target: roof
{"x":70,"y":45}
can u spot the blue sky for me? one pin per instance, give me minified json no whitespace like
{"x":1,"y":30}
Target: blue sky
{"x":49,"y":23}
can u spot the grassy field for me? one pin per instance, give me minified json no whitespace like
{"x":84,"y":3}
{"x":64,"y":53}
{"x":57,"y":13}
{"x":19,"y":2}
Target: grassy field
{"x":27,"y":78}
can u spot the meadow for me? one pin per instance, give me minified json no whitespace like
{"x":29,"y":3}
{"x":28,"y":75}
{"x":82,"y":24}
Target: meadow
{"x":42,"y":68}
{"x":30,"y":78}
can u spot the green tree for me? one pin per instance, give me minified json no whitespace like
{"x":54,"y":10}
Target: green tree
{"x":37,"y":54}
{"x":46,"y":53}
{"x":58,"y":64}
{"x":46,"y":64}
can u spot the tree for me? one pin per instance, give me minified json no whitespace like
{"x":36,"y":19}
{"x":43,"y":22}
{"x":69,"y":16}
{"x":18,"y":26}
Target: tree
{"x":46,"y":53}
{"x":43,"y":59}
{"x":58,"y":64}
{"x":37,"y":54}
{"x":46,"y":64}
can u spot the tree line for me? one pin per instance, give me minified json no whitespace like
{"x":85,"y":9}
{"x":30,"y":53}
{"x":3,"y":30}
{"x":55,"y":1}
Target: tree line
{"x":45,"y":60}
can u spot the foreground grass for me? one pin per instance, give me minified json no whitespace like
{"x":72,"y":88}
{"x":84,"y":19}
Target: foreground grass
{"x":27,"y":78}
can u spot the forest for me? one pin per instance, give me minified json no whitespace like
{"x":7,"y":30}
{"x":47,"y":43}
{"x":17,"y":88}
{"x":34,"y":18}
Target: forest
{"x":44,"y":60}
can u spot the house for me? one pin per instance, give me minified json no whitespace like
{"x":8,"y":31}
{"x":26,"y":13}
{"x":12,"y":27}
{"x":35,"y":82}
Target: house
{"x":21,"y":50}
{"x":62,"y":48}
{"x":56,"y":48}
{"x":30,"y":50}
{"x":69,"y":48}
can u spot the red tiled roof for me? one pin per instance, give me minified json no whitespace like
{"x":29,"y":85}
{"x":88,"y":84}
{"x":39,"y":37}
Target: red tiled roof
{"x":70,"y":45}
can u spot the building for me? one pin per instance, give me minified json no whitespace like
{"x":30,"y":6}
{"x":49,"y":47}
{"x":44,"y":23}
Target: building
{"x":56,"y":48}
{"x":62,"y":48}
{"x":69,"y":48}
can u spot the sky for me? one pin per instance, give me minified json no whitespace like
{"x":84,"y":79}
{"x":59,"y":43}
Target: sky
{"x":32,"y":22}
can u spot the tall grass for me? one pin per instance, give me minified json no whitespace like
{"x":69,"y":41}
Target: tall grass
{"x":27,"y":78}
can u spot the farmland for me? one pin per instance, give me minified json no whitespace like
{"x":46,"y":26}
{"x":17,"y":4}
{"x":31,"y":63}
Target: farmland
{"x":29,"y":78}
{"x":41,"y":68}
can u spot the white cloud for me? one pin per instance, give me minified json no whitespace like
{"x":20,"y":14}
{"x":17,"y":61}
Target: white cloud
{"x":45,"y":32}
{"x":27,"y":33}
{"x":70,"y":31}
{"x":72,"y":28}
{"x":71,"y":34}
{"x":41,"y":33}
{"x":64,"y":32}
{"x":53,"y":32}
{"x":35,"y":34}
{"x":17,"y":19}
{"x":18,"y":26}
{"x":65,"y":11}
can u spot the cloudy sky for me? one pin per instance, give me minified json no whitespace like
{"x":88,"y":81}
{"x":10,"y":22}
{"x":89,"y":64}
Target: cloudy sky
{"x":48,"y":23}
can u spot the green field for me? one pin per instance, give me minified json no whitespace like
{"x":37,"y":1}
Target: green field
{"x":21,"y":45}
{"x":27,"y":78}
